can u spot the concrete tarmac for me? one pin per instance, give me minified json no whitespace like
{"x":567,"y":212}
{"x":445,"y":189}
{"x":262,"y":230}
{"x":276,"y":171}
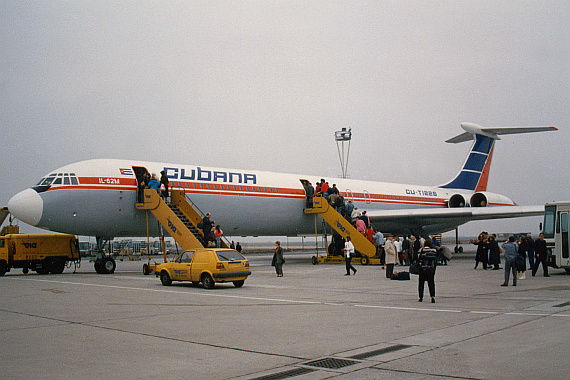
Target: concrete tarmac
{"x":313,"y":323}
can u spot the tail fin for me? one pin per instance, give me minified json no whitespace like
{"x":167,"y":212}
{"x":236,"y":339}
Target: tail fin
{"x":475,"y":172}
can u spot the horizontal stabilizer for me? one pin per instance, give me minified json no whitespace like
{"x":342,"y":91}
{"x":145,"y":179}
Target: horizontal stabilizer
{"x":473,"y":129}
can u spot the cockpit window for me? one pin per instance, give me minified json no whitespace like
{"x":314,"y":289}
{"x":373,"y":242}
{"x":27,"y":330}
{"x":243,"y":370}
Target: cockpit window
{"x":47,"y":180}
{"x":56,"y":179}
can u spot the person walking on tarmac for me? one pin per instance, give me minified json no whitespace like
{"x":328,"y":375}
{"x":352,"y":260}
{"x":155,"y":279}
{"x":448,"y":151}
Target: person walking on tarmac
{"x":541,"y":256}
{"x":348,"y":253}
{"x":278,"y":260}
{"x":391,"y":254}
{"x":427,"y":257}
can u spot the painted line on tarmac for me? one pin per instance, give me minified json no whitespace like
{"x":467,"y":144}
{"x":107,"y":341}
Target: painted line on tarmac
{"x":411,"y":308}
{"x":211,"y":294}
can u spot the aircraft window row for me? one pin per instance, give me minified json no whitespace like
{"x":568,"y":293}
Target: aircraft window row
{"x":59,"y":179}
{"x":227,"y":187}
{"x":391,"y":197}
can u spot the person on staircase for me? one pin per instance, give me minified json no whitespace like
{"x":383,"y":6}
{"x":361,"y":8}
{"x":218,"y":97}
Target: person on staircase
{"x":218,"y":235}
{"x":206,"y":228}
{"x":154,"y":184}
{"x":164,"y":183}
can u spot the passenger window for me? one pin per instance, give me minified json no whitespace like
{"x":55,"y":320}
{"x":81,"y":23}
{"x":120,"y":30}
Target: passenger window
{"x":66,"y":180}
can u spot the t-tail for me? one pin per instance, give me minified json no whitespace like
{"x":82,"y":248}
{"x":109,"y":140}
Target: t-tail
{"x":475,"y":171}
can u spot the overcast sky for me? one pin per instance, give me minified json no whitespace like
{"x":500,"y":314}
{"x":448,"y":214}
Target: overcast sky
{"x":265,"y":84}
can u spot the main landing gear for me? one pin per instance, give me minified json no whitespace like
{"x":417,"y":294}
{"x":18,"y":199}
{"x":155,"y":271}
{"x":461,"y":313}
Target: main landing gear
{"x":104,"y":264}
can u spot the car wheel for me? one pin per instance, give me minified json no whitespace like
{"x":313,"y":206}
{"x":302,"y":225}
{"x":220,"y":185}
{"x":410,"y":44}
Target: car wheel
{"x":239,"y":284}
{"x":364,"y":260}
{"x":146,"y":269}
{"x":207,"y":281}
{"x":165,"y":278}
{"x":314,"y":260}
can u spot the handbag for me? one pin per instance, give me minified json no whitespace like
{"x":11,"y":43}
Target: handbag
{"x":415,"y":267}
{"x":520,"y":263}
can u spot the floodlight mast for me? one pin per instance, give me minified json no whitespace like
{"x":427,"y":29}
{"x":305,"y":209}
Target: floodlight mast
{"x":341,"y":137}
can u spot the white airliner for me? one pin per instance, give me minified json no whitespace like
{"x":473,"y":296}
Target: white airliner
{"x":97,"y":197}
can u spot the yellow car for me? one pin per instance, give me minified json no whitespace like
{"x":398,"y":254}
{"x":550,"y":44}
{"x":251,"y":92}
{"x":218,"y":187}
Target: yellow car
{"x":207,"y":265}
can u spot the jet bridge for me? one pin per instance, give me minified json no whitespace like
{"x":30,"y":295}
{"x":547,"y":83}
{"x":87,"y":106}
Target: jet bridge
{"x":179,"y":218}
{"x":343,"y":227}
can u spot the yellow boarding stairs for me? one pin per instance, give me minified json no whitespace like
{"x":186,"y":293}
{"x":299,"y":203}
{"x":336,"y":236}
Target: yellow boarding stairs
{"x":178,"y":218}
{"x":344,"y":228}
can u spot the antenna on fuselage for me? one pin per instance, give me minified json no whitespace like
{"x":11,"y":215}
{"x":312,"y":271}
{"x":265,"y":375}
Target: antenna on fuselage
{"x":341,"y":138}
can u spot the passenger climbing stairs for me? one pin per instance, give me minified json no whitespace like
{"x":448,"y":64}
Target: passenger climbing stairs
{"x":179,"y":218}
{"x":343,"y":227}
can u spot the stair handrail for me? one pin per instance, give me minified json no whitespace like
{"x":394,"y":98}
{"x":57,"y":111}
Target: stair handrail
{"x":202,"y":214}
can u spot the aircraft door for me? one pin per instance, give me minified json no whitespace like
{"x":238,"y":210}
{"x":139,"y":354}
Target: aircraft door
{"x":140,"y":171}
{"x":564,"y":235}
{"x":308,"y":195}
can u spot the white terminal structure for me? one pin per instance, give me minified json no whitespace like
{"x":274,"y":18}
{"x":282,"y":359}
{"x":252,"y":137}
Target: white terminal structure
{"x":343,"y":136}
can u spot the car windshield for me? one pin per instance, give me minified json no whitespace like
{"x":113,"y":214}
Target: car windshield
{"x":229,"y":255}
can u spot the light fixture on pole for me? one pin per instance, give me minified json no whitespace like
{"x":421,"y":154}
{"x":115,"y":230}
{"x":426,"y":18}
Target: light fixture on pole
{"x":341,"y":137}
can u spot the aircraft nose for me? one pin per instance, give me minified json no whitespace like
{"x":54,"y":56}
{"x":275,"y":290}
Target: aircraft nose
{"x":27,"y":206}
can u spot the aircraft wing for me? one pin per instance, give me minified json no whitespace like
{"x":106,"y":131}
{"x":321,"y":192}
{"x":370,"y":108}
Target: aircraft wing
{"x":444,"y":219}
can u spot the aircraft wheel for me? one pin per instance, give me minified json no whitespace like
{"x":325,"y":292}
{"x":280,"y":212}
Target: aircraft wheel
{"x":165,"y":278}
{"x":460,"y":249}
{"x":364,"y":260}
{"x":567,"y":270}
{"x":146,"y":269}
{"x":98,"y":265}
{"x":314,"y":260}
{"x":25,"y":270}
{"x":109,"y":265}
{"x":456,"y":249}
{"x":239,"y":284}
{"x":207,"y":281}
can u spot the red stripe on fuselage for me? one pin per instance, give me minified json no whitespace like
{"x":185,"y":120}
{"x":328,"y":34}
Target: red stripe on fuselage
{"x":130,"y":184}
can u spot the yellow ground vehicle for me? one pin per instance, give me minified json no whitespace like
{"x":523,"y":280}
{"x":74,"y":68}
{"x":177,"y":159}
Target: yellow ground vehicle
{"x":43,"y":253}
{"x":205,"y":265}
